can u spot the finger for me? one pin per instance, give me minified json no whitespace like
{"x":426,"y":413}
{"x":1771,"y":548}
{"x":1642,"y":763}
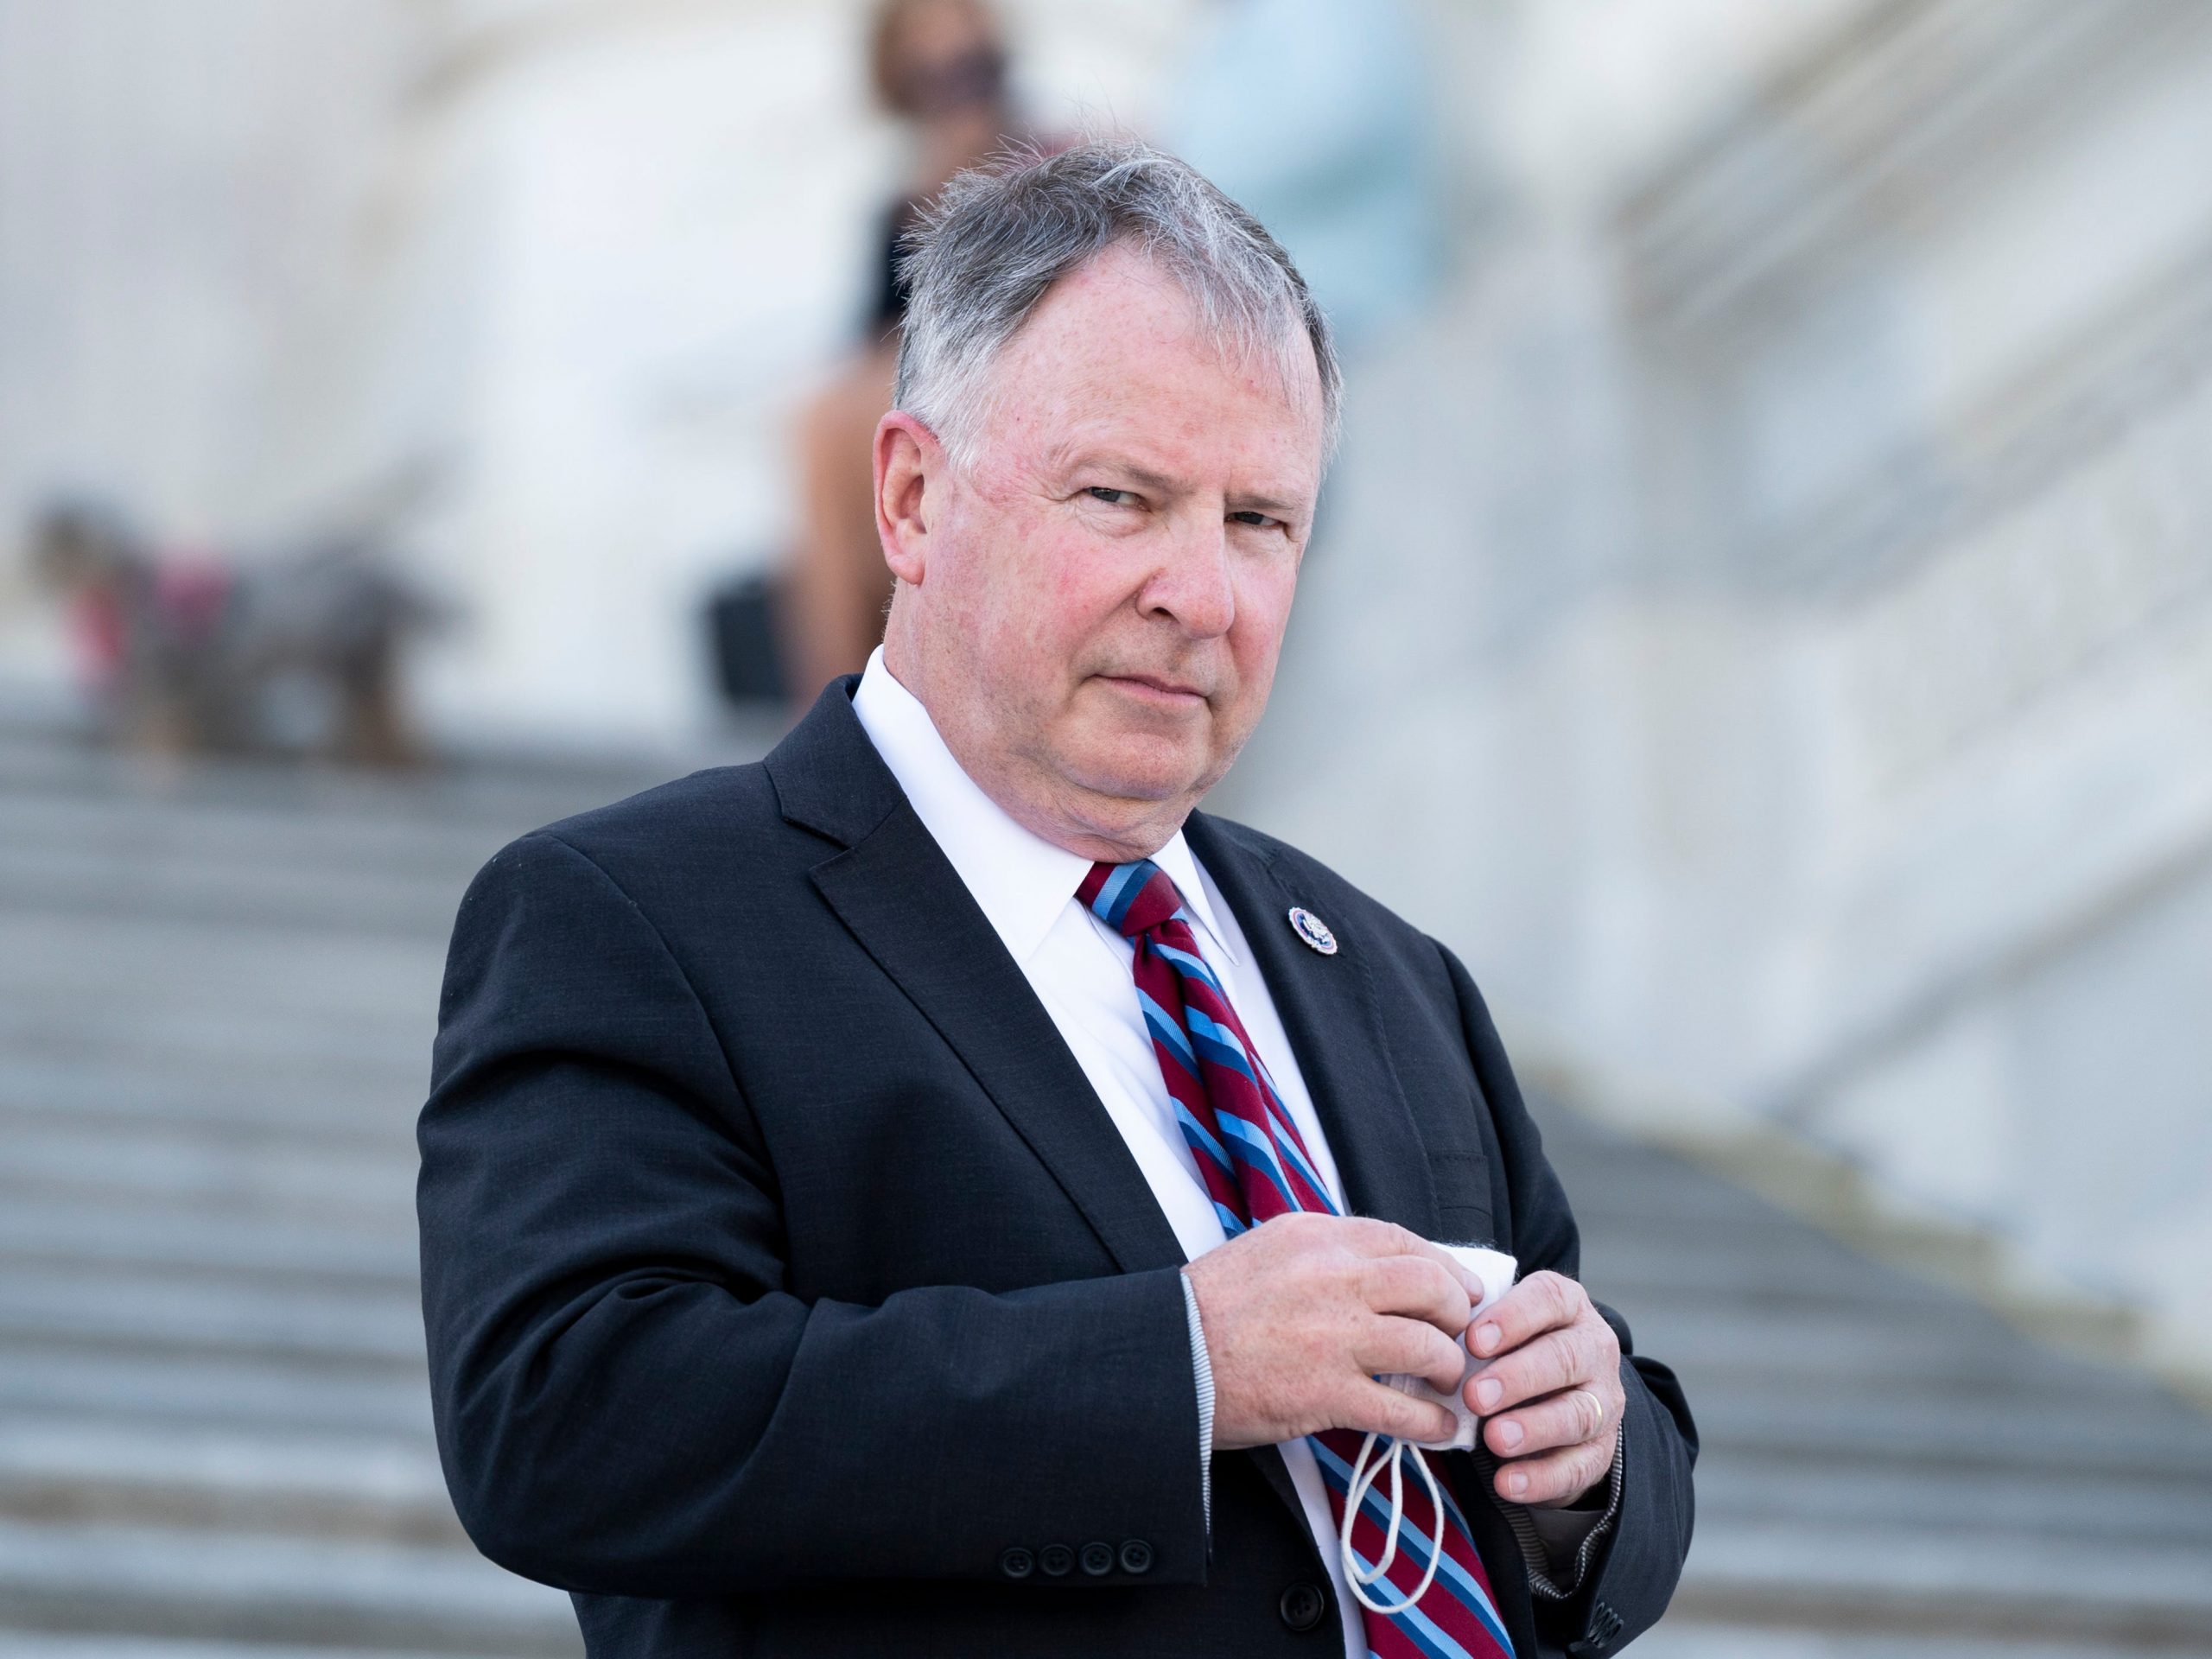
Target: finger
{"x":1375,"y":1406}
{"x":1416,"y":1349}
{"x":1570,"y":1418}
{"x":1558,"y":1476}
{"x":1543,"y":1301}
{"x":1555,"y":1360}
{"x":1370,"y":1237}
{"x":1416,"y":1287}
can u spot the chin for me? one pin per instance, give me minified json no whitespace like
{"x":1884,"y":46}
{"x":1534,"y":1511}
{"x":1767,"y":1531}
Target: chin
{"x":1147,"y":768}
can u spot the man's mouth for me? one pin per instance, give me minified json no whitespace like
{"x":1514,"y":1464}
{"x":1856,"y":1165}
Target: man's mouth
{"x":1158,"y":688}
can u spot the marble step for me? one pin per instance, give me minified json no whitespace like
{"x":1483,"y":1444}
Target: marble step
{"x":205,"y":1241}
{"x":232,"y":1036}
{"x":125,"y":1095}
{"x":2051,"y":1430}
{"x":1715,"y":1258}
{"x":519,"y":791}
{"x":53,"y":1644}
{"x":214,"y":833}
{"x":114,"y":959}
{"x":273,"y":1588}
{"x":111,"y":990}
{"x":1939,"y":1442}
{"x":65,"y":1466}
{"x":315,"y":1053}
{"x":1680,"y":1638}
{"x":1740,"y":1487}
{"x":66,"y":881}
{"x":354,"y":1187}
{"x":368,"y":1006}
{"x":381,"y":1397}
{"x":1702,"y":1339}
{"x":1985,"y":1582}
{"x":89,"y":1309}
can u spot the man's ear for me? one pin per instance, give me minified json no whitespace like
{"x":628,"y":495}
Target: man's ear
{"x":910,"y":478}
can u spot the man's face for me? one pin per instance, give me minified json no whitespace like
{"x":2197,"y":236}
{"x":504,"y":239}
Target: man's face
{"x":1103,"y":587}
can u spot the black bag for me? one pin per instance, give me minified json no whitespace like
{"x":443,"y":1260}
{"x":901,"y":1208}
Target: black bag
{"x":741,"y":631}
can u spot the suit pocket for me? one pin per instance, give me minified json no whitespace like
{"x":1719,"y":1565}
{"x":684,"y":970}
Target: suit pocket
{"x":1462,"y":1212}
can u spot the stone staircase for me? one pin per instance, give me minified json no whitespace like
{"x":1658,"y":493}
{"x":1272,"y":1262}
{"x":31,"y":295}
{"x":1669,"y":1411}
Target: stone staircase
{"x":217,"y":992}
{"x":216,"y":1000}
{"x":1888,"y":1469}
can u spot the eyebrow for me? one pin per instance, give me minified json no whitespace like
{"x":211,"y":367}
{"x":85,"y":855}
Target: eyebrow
{"x":1266,"y":504}
{"x":1159,"y":482}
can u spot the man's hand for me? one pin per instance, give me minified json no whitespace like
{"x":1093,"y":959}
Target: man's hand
{"x":1304,"y":1311}
{"x":1554,"y":1381}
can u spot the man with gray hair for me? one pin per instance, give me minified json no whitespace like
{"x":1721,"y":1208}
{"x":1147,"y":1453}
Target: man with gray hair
{"x":936,"y":1190}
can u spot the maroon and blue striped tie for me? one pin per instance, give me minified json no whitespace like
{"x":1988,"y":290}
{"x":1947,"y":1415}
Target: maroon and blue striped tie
{"x":1256,"y":1166}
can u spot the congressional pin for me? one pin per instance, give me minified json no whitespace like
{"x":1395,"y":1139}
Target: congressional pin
{"x":1312,"y":929}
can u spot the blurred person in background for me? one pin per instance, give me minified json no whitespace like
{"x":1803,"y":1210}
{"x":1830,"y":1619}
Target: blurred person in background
{"x":940,"y":67}
{"x":1315,"y":117}
{"x":188,"y":653}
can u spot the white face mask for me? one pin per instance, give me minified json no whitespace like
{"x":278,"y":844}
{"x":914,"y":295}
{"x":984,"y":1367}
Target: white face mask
{"x":1496,"y":1269}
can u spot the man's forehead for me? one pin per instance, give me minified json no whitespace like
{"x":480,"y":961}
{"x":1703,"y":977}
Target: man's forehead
{"x":1120,"y":333}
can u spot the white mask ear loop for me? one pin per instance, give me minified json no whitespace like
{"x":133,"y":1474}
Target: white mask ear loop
{"x":1362,"y":1477}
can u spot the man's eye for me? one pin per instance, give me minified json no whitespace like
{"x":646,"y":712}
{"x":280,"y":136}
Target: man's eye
{"x":1111,"y":497}
{"x":1260,"y":519}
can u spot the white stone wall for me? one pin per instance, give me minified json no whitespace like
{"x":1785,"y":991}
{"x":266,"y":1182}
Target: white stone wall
{"x":1778,"y":649}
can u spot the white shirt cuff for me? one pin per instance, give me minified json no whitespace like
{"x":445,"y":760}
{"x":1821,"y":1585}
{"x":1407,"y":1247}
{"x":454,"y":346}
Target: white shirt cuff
{"x":1202,"y":1372}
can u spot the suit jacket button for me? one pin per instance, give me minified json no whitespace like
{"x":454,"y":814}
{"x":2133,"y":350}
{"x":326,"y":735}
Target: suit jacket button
{"x":1302,"y":1606}
{"x":1136,"y":1556}
{"x":1055,"y":1560}
{"x":1017,"y":1563}
{"x":1098,"y":1560}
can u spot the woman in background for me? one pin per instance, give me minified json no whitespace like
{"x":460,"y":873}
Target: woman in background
{"x":940,"y":66}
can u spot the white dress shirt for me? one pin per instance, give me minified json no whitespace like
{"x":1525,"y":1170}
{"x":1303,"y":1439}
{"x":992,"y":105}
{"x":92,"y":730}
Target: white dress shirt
{"x":1080,"y":969}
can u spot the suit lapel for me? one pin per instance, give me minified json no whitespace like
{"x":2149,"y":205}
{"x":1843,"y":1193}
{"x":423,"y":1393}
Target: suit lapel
{"x":906,"y":904}
{"x":1330,"y":1010}
{"x":894,"y":889}
{"x":909,"y":909}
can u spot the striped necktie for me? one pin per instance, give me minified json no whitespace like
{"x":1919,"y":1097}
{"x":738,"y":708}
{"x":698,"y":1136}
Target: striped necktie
{"x":1256,"y":1166}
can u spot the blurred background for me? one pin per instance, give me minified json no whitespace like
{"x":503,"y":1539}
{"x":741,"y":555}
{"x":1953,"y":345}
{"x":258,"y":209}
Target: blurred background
{"x":1762,"y":618}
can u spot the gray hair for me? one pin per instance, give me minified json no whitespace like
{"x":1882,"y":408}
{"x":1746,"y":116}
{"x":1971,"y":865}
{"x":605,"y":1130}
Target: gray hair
{"x":1000,"y":235}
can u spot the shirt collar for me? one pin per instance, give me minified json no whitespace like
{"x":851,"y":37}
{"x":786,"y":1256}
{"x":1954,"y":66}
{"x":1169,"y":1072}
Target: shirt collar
{"x":1019,"y":880}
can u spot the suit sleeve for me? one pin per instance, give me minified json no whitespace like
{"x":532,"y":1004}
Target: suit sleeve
{"x":1627,"y":1585}
{"x":629,"y":1400}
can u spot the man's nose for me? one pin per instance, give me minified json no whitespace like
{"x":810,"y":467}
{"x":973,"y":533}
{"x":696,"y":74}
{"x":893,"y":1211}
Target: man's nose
{"x":1192,"y":584}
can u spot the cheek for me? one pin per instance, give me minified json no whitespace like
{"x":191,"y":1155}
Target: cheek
{"x":1072,"y":588}
{"x":1263,"y":600}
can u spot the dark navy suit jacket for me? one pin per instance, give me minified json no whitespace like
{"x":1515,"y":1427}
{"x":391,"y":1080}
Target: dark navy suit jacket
{"x":788,"y":1292}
